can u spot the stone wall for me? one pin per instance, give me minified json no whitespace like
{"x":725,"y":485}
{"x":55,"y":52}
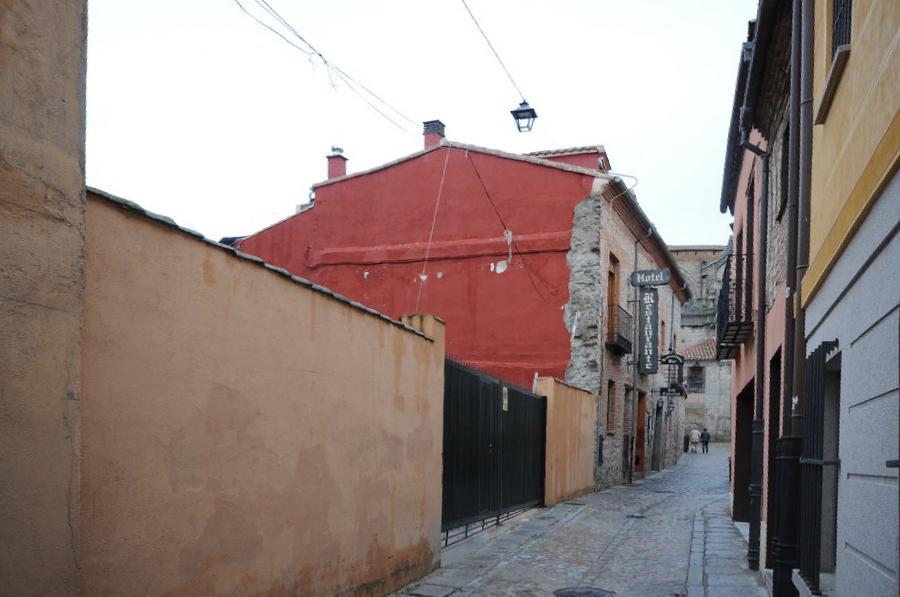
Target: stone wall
{"x":776,"y":254}
{"x":42,"y":78}
{"x":710,"y":409}
{"x":600,"y":233}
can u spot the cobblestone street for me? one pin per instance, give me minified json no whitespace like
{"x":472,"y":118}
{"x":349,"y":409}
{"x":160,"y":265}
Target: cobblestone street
{"x":668,"y":534}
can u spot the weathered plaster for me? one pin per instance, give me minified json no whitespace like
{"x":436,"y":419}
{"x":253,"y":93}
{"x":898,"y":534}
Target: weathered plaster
{"x":571,"y":424}
{"x":42,"y":68}
{"x":246,"y":434}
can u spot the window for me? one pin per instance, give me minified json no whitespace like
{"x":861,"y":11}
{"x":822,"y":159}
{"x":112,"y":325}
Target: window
{"x":783,"y":174}
{"x":696,"y":379}
{"x":738,"y":274}
{"x":748,"y":250}
{"x":611,"y":407}
{"x":841,"y":22}
{"x":612,"y":291}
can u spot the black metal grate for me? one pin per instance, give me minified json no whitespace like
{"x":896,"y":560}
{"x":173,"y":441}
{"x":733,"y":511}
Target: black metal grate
{"x":494,"y":436}
{"x":809,"y":549}
{"x":841,"y":22}
{"x":696,"y":379}
{"x":734,"y":321}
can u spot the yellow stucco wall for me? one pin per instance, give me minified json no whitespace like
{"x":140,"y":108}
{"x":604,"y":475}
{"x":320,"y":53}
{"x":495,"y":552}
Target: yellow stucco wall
{"x":243,"y":434}
{"x":855,"y":151}
{"x":571,"y":424}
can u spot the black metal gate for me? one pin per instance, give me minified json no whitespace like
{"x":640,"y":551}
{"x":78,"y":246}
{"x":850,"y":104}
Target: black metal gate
{"x":811,"y":463}
{"x":494,"y":436}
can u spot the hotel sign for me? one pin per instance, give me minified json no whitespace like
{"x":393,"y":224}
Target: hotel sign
{"x":648,"y":345}
{"x":651,"y":277}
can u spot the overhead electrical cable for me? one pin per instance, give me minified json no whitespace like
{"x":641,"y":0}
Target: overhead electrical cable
{"x":437,"y":204}
{"x":491,"y":46}
{"x":514,"y":244}
{"x":270,"y":28}
{"x":311,"y":51}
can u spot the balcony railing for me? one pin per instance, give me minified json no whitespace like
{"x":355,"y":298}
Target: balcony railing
{"x":734,"y":320}
{"x":619,"y":333}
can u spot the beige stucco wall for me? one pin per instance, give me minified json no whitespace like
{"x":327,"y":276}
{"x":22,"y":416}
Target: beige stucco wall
{"x":42,"y":65}
{"x":244,"y":434}
{"x":571,"y":425}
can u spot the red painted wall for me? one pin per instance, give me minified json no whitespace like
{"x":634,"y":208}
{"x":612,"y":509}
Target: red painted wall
{"x":367,"y":236}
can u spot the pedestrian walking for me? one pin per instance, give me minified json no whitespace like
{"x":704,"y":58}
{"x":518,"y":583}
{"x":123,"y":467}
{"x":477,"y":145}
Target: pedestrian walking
{"x":704,"y":439}
{"x":695,"y":439}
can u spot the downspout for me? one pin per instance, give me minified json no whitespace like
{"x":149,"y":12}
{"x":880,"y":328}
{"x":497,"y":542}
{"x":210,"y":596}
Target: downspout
{"x":756,"y":449}
{"x":803,"y":204}
{"x":788,"y":446}
{"x":634,"y":360}
{"x":790,"y":216}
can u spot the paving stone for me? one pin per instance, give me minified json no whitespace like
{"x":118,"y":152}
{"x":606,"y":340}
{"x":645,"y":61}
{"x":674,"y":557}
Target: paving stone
{"x":757,"y":591}
{"x":685,"y":543}
{"x":731,"y":579}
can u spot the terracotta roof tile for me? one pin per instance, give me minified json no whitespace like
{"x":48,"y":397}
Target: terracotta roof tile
{"x":568,"y":151}
{"x":704,"y":350}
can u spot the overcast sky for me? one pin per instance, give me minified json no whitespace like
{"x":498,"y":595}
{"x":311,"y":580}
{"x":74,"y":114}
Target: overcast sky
{"x":197,"y":112}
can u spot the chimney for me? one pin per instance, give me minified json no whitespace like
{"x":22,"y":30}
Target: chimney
{"x":337,"y":163}
{"x":433,"y":131}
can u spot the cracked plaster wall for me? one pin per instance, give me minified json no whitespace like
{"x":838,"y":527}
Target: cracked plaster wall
{"x":42,"y":77}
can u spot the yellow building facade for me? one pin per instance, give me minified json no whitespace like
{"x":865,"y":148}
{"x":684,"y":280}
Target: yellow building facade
{"x":856,"y":140}
{"x":851,"y":297}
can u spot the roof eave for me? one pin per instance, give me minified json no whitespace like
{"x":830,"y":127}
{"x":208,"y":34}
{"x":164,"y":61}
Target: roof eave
{"x":682,"y":287}
{"x":445,"y":143}
{"x":753,"y":57}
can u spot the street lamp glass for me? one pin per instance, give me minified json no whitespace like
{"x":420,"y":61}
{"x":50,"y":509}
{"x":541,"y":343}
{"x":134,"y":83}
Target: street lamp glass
{"x":524,"y":116}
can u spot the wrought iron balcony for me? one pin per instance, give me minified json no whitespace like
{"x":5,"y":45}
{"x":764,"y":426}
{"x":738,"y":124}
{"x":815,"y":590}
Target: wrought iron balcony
{"x":619,"y":331}
{"x":734,"y":319}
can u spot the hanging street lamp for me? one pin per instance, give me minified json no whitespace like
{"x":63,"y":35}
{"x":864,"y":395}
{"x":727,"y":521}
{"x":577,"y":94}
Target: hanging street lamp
{"x":524,"y":116}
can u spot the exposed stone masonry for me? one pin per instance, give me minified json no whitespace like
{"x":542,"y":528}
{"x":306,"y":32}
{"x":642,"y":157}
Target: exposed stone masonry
{"x":596,"y":234}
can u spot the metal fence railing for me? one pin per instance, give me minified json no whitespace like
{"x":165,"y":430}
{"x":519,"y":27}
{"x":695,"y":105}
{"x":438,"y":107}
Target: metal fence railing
{"x":734,"y":310}
{"x":841,"y":22}
{"x":812,"y":464}
{"x":493,"y":456}
{"x":620,"y":332}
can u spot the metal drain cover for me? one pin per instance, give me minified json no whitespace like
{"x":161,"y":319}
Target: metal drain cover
{"x":583,"y":592}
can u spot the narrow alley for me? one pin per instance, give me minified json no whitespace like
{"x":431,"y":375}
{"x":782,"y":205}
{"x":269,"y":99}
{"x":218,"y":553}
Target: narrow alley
{"x":669,"y":534}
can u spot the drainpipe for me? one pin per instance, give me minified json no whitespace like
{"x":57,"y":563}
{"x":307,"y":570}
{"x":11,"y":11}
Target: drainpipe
{"x":788,"y":447}
{"x":756,"y":449}
{"x":634,"y":360}
{"x":803,"y":203}
{"x":790,"y":217}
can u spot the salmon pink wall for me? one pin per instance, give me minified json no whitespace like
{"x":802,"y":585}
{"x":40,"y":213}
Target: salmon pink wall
{"x":243,"y":434}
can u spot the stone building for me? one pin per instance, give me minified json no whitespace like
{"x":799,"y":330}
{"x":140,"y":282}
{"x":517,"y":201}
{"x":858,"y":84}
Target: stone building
{"x":707,"y":379}
{"x":526,"y":257}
